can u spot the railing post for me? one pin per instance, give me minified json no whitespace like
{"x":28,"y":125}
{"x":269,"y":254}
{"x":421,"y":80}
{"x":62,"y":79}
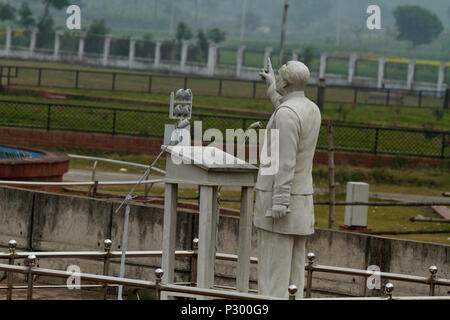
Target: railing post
{"x":9,"y":77}
{"x":388,"y":289}
{"x":77,"y":75}
{"x":321,"y":93}
{"x":107,"y":247}
{"x":150,"y":84}
{"x":375,"y":147}
{"x":194,"y":261}
{"x":254,"y":89}
{"x":443,"y":146}
{"x":31,"y":263}
{"x":159,"y":274}
{"x":433,"y":270}
{"x":292,"y":291}
{"x":48,"y":116}
{"x":113,"y":82}
{"x":114,"y":122}
{"x":220,"y":87}
{"x":311,"y":257}
{"x":39,"y":77}
{"x":355,"y":95}
{"x":331,"y":180}
{"x":12,"y":244}
{"x":388,"y":96}
{"x":185,"y":82}
{"x":420,"y":98}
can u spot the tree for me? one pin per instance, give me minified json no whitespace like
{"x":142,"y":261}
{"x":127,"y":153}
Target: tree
{"x":216,"y":35}
{"x":97,"y":28}
{"x":202,"y":44}
{"x":57,"y":4}
{"x":26,"y":19}
{"x":417,"y":24}
{"x":7,"y":12}
{"x":183,"y":32}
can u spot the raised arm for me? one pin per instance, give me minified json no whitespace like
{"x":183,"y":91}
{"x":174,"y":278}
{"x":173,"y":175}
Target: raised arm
{"x":269,"y":76}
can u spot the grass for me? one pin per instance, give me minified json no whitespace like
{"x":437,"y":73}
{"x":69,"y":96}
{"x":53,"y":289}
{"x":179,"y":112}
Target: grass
{"x":422,"y":180}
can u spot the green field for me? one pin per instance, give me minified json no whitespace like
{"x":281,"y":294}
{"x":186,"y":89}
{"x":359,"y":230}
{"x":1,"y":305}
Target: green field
{"x":397,"y":179}
{"x":125,"y":120}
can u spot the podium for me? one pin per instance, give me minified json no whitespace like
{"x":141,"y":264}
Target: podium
{"x":209,"y":168}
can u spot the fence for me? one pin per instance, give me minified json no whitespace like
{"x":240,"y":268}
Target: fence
{"x":145,"y":123}
{"x":159,"y":83}
{"x":185,"y":288}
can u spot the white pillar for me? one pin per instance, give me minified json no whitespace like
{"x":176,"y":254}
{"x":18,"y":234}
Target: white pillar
{"x":169,"y":231}
{"x":81,"y":42}
{"x":295,"y":54}
{"x":157,"y":60}
{"x":131,"y":52}
{"x":441,"y":76}
{"x":212,"y":58}
{"x":381,"y":69}
{"x":33,"y":40}
{"x":244,"y":240}
{"x":106,"y":47}
{"x":207,"y":233}
{"x":267,"y":54}
{"x":184,"y":54}
{"x":240,"y":60}
{"x":323,"y":65}
{"x":9,"y":33}
{"x":352,"y":67}
{"x":411,"y":70}
{"x":57,"y":45}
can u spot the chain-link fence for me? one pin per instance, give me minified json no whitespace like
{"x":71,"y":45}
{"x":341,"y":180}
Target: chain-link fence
{"x":160,"y":83}
{"x":347,"y":137}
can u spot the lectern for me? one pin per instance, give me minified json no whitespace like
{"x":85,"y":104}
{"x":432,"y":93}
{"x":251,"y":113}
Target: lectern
{"x":209,"y":168}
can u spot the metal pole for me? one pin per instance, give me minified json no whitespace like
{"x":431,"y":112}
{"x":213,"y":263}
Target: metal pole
{"x":433,"y":270}
{"x":254,"y":89}
{"x":292,"y":291}
{"x":107,"y":247}
{"x":114,"y":122}
{"x":31,"y":263}
{"x":375,"y":148}
{"x":39,"y":77}
{"x":311,"y":257}
{"x":124,"y":247}
{"x":159,"y":274}
{"x":220,"y":87}
{"x":48,"y":116}
{"x":77,"y":75}
{"x":331,"y":183}
{"x":12,"y":244}
{"x":283,"y":32}
{"x":321,"y":93}
{"x":150,"y":84}
{"x":388,"y":289}
{"x":194,"y":260}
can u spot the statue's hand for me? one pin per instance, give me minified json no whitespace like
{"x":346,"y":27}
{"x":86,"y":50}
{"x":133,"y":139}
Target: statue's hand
{"x":279,"y":211}
{"x":268,"y":74}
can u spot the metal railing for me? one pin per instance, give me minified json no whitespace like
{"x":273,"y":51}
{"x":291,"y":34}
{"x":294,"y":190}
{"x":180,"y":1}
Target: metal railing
{"x":157,"y":83}
{"x":362,"y":138}
{"x":185,"y":288}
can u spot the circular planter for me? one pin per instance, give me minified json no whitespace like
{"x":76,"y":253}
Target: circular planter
{"x":43,"y":166}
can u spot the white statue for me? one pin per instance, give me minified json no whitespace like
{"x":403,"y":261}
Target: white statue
{"x":284,"y":210}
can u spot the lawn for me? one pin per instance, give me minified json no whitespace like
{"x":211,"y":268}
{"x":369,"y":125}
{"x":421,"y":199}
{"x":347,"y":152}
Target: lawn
{"x":419,"y":180}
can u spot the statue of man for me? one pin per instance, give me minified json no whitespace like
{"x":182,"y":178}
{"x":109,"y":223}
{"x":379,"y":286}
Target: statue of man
{"x":284,"y":209}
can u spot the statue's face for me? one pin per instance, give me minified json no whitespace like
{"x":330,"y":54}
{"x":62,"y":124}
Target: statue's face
{"x":281,"y":84}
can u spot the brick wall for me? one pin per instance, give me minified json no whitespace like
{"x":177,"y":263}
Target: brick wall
{"x":42,"y":138}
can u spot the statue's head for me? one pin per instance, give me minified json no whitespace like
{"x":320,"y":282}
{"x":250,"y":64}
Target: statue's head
{"x":292,"y":76}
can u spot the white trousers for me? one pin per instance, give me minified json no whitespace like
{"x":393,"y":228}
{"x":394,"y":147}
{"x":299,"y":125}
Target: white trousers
{"x":281,"y":262}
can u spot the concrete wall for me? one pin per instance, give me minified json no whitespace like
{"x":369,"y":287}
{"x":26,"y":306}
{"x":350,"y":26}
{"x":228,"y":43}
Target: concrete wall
{"x":48,"y":222}
{"x":211,"y":68}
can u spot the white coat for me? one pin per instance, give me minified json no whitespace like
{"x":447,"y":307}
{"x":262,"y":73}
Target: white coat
{"x":298,"y":120}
